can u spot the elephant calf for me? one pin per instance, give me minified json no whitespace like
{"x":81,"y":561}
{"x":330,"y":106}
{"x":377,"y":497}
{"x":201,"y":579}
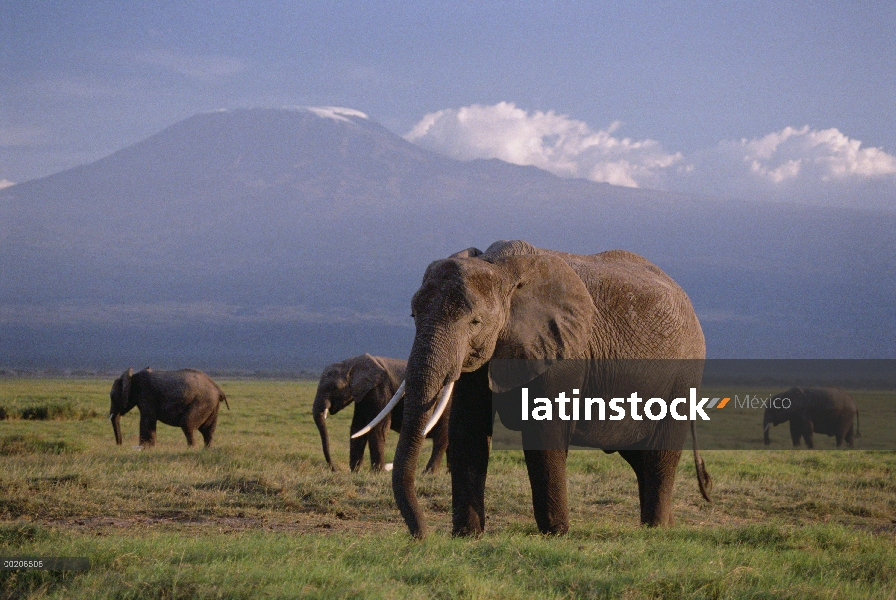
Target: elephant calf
{"x":369,"y":382}
{"x":188,"y":399}
{"x":814,"y":410}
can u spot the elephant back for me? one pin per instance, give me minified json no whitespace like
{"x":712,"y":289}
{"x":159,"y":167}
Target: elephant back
{"x":636,"y":300}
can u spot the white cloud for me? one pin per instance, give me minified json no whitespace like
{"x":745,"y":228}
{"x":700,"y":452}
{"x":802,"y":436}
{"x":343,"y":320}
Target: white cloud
{"x":816,"y":166}
{"x":5,"y":183}
{"x":822,"y":155}
{"x":556,"y":143}
{"x":803,"y":164}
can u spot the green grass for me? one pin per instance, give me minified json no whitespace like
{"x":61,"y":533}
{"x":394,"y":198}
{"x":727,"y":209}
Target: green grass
{"x":260,"y":515}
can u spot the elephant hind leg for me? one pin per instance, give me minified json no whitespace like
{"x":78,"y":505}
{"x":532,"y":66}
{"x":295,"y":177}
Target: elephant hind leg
{"x":655,"y":470}
{"x":850,"y":437}
{"x":439,"y":445}
{"x":207,"y":428}
{"x":188,"y":433}
{"x":435,"y":462}
{"x":208,"y":432}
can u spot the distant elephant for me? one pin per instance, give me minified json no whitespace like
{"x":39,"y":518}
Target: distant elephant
{"x":811,"y":410}
{"x":515,"y":301}
{"x":188,"y":399}
{"x":369,"y":382}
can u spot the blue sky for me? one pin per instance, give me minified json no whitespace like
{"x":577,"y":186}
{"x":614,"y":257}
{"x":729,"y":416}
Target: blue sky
{"x":771,"y":100}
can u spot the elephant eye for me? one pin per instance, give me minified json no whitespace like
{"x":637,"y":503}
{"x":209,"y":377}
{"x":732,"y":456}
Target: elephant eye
{"x":476,"y":321}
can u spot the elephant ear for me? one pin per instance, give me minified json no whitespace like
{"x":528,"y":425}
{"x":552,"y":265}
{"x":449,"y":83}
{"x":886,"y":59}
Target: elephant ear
{"x":126,"y":385}
{"x":365,"y":375}
{"x":551,"y":317}
{"x":393,"y":373}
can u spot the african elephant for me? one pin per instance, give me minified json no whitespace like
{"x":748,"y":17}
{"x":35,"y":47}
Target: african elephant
{"x":811,"y":410}
{"x":515,"y":301}
{"x":188,"y":399}
{"x":369,"y":382}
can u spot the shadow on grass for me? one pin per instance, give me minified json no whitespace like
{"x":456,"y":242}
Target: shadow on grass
{"x":31,"y":443}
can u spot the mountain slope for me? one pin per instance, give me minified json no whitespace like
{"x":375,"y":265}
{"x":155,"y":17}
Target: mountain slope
{"x":292,"y":238}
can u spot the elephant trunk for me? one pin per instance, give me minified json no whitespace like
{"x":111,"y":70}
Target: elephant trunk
{"x":767,"y":425}
{"x":430,"y":368}
{"x":116,"y":426}
{"x":404,"y":467}
{"x":320,"y":411}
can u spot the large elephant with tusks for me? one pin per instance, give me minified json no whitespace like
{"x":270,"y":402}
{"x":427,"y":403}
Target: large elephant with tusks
{"x":515,"y":301}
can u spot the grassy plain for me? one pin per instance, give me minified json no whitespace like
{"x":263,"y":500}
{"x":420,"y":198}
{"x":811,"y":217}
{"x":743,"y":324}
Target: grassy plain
{"x":260,"y":515}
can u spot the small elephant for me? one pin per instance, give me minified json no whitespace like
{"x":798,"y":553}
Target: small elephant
{"x":811,"y":410}
{"x":188,"y":399}
{"x":369,"y":381}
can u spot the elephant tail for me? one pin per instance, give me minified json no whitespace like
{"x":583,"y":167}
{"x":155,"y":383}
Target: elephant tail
{"x":224,"y":398}
{"x":704,"y":481}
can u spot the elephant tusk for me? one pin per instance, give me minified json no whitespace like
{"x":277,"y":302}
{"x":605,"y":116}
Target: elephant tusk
{"x":111,"y":416}
{"x":440,"y":408}
{"x":326,"y":413}
{"x":383,"y":413}
{"x":767,"y":427}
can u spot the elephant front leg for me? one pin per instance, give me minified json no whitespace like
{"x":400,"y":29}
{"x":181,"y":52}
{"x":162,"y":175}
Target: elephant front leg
{"x":796,"y":431}
{"x":147,"y":429}
{"x":469,"y":468}
{"x":356,"y":446}
{"x":547,"y":476}
{"x":807,"y":434}
{"x":469,"y":434}
{"x":377,"y":441}
{"x":356,"y":452}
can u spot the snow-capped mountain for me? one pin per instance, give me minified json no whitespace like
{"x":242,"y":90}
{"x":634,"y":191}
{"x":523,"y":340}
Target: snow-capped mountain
{"x":291,"y":238}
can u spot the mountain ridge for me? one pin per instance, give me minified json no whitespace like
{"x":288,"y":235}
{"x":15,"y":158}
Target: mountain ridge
{"x":257,"y":219}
